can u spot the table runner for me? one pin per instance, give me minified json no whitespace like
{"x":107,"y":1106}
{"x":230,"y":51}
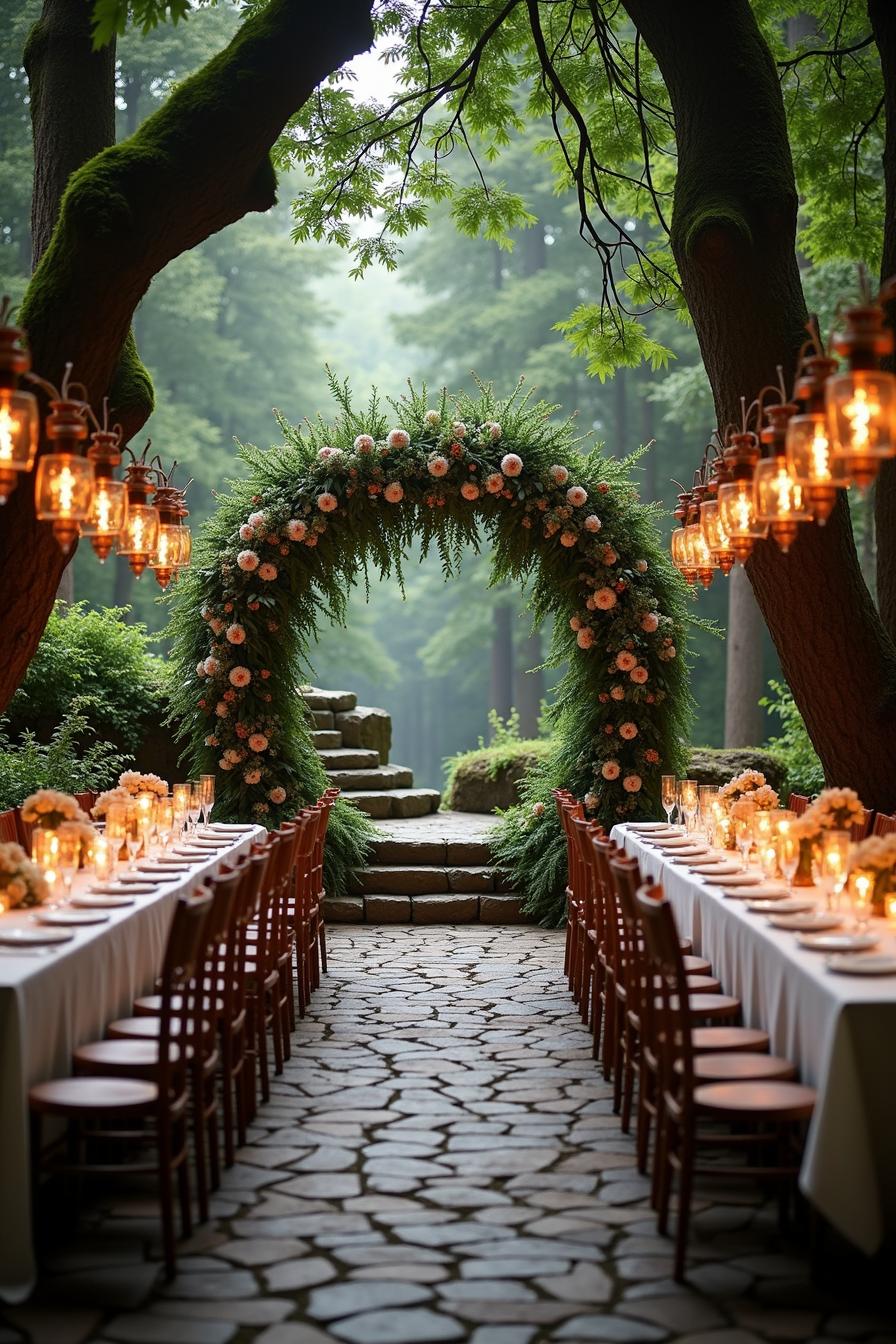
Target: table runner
{"x":49,"y":1004}
{"x":839,"y":1031}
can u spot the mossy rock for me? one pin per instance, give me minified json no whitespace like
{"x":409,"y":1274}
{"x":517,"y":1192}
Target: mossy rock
{"x":716,"y":765}
{"x":483,"y":781}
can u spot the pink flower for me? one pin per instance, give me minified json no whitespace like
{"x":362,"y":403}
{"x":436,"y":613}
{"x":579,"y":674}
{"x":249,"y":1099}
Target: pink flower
{"x":632,"y":783}
{"x":222,"y":709}
{"x":511,"y":464}
{"x":327,"y":452}
{"x":258,"y":743}
{"x":398,"y":438}
{"x":470,"y":490}
{"x":394,"y":492}
{"x":609,"y":556}
{"x":252,"y":776}
{"x":641,"y":566}
{"x":211,"y":741}
{"x":205,"y":613}
{"x":494,"y":483}
{"x":559,"y":475}
{"x":639,"y":675}
{"x":568,"y":538}
{"x":267,"y":571}
{"x":610,"y":770}
{"x":575,"y":623}
{"x":494,"y":430}
{"x":592,"y":523}
{"x":605,"y":599}
{"x":651,"y":757}
{"x":278,"y":795}
{"x":617,"y":692}
{"x":363,"y":444}
{"x":628,"y":731}
{"x":538,"y":809}
{"x":296,"y":529}
{"x":327,"y":502}
{"x":224,"y":764}
{"x":211,"y":666}
{"x":217,"y":626}
{"x":240,"y":676}
{"x":437,"y":465}
{"x":576,"y":496}
{"x":200,"y":668}
{"x":649,"y":622}
{"x":256,"y":520}
{"x":585,"y":638}
{"x":458,"y":429}
{"x":311,"y":541}
{"x":247,"y":560}
{"x":625,"y":661}
{"x":246,"y":532}
{"x":236,"y":634}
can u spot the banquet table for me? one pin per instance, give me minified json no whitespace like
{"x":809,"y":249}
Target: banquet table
{"x":838,"y":1029}
{"x":55,"y":1000}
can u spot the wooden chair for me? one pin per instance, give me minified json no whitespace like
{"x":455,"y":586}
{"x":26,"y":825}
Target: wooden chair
{"x":568,"y":810}
{"x":862,"y":829}
{"x":765,"y":1118}
{"x":85,"y":800}
{"x":884,"y":824}
{"x":121,"y":1083}
{"x":319,"y":924}
{"x":585,"y":931}
{"x":9,"y":832}
{"x":798,"y":802}
{"x":306,"y":943}
{"x":23,"y":830}
{"x":262,"y":969}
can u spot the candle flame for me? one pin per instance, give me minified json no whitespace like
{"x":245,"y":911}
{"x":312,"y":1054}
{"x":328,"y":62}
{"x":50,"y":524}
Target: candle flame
{"x":860,"y":412}
{"x":9,"y":426}
{"x":820,"y":454}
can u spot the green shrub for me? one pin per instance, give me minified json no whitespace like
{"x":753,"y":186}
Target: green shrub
{"x":93,"y":657}
{"x":71,"y":761}
{"x":488,"y":777}
{"x":716,"y":765}
{"x":793,"y":747}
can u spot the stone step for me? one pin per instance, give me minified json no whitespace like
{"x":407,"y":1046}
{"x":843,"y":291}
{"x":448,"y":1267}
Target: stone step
{"x":335,"y":701}
{"x":454,"y":907}
{"x":382,"y":803}
{"x":322,"y":718}
{"x":341,"y":759}
{"x":442,"y":838}
{"x":365,"y":726}
{"x":382,"y":777}
{"x":326,"y":739}
{"x":425,"y":879}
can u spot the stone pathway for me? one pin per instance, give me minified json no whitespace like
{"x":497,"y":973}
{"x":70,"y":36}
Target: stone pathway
{"x":438,"y":1162}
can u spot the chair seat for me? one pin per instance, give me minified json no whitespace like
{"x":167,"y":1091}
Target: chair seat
{"x":132,"y":1056}
{"x":746,"y":1066}
{"x":697,"y":965}
{"x":151,"y":1005}
{"x":705,"y":984}
{"x":686,"y":945}
{"x":147,"y":1028}
{"x":728,"y":1039}
{"x":77,"y":1096}
{"x":760,"y":1100}
{"x":707,"y":1006}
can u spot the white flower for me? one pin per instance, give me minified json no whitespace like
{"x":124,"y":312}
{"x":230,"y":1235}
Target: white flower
{"x":239,"y":676}
{"x":585,"y":638}
{"x":617,"y":692}
{"x":458,"y":429}
{"x":639,"y":675}
{"x":247,"y":560}
{"x":568,"y":537}
{"x":632,"y":783}
{"x":277,"y":795}
{"x":327,"y":453}
{"x":236,"y":634}
{"x":363,"y":444}
{"x":610,"y":770}
{"x":327,"y":502}
{"x":437,"y":465}
{"x":267,"y":571}
{"x":576,"y":496}
{"x":625,"y":660}
{"x":470,"y":490}
{"x":494,"y":483}
{"x":296,"y":529}
{"x":200,"y":668}
{"x":258,"y":743}
{"x":628,"y":731}
{"x":559,"y":475}
{"x":394,"y":492}
{"x":590,"y":801}
{"x":605,"y":599}
{"x":494,"y":431}
{"x":511,"y":464}
{"x":212,"y":666}
{"x":256,"y":520}
{"x":432,"y":418}
{"x":641,"y":566}
{"x":538,"y":809}
{"x":252,"y":776}
{"x":592,"y":523}
{"x":222,"y":709}
{"x":247,"y":532}
{"x":398,"y":438}
{"x":649,"y":622}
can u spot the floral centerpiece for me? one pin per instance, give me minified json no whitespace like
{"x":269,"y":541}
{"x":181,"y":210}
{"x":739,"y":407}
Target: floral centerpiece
{"x":48,"y":809}
{"x":134,"y":784}
{"x":21,"y":881}
{"x":832,"y":810}
{"x":876,"y":856}
{"x":116,"y":795}
{"x":740,"y":795}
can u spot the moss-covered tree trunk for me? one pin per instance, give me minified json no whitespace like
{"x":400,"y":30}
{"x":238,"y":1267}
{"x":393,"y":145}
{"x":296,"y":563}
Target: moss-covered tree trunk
{"x":733,"y":234}
{"x":199,"y":163}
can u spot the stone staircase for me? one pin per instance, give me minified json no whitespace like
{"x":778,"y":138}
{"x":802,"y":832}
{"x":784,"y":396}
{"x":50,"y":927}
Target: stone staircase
{"x":427,"y":867}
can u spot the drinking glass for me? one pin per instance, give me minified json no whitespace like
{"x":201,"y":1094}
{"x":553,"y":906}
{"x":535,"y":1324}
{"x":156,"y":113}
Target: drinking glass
{"x":116,"y":828}
{"x":133,"y":834}
{"x":788,"y":846}
{"x":194,"y":807}
{"x":165,"y":821}
{"x":763,"y":829}
{"x":146,"y":817}
{"x":744,"y":832}
{"x":689,"y":801}
{"x":861,"y":888}
{"x":669,"y":792}
{"x":707,"y":794}
{"x":830,"y":864}
{"x":207,"y":787}
{"x":45,"y":853}
{"x":181,"y":800}
{"x":103,"y":858}
{"x":68,"y":858}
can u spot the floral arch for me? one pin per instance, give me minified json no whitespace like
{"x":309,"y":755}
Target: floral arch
{"x":287,"y":544}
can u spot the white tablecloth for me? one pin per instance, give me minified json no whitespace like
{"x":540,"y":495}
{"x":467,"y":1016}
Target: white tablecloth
{"x":839,"y":1030}
{"x":49,"y":1004}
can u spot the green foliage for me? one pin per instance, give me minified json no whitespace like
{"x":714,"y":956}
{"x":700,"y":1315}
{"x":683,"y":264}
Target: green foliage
{"x":72,"y":760}
{"x":96,"y":659}
{"x":609,"y":341}
{"x":793,"y":745}
{"x":111,"y":17}
{"x":508,"y":759}
{"x":315,"y":566}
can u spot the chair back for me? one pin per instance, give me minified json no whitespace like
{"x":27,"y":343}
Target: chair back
{"x":301,"y":899}
{"x":798,"y":802}
{"x":884,"y":824}
{"x":625,"y":876}
{"x":862,"y":828}
{"x":181,"y":991}
{"x":8,"y":829}
{"x":85,"y":800}
{"x":322,"y":807}
{"x":605,"y":895}
{"x":668,"y":991}
{"x":23,"y":830}
{"x":220,"y":943}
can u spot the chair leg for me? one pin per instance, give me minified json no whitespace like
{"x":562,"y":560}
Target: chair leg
{"x":322,"y":944}
{"x":214,"y":1149}
{"x":199,"y":1150}
{"x":642,"y":1131}
{"x":261,"y":1048}
{"x":597,"y":1001}
{"x":166,"y":1202}
{"x":230,"y":1096}
{"x":628,"y":1083}
{"x":276,"y":1030}
{"x":609,"y":1030}
{"x":685,"y":1185}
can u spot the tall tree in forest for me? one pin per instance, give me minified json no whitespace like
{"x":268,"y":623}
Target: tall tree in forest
{"x":710,"y":130}
{"x":107,"y":218}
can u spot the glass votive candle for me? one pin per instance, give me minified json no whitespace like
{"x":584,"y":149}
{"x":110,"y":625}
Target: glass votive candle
{"x":890,"y":909}
{"x":763,"y":828}
{"x":45,"y":853}
{"x":768,"y":857}
{"x":103,"y":858}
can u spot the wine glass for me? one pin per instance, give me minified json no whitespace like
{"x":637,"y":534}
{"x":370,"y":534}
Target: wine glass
{"x":861,"y":887}
{"x":207,"y":787}
{"x":133,"y":834}
{"x":744,"y":832}
{"x":165,"y":821}
{"x":68,"y":856}
{"x":181,"y":804}
{"x":689,"y":802}
{"x":116,"y":828}
{"x":707,"y":794}
{"x":788,"y":846}
{"x":830,"y":864}
{"x":194,"y":807}
{"x":669,"y":791}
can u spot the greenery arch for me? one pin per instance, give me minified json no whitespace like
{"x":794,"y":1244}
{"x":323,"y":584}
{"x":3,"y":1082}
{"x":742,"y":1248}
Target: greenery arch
{"x":287,"y":544}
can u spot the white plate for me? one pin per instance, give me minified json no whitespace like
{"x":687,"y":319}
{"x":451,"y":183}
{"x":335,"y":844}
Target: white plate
{"x":89,"y":900}
{"x":738,"y":879}
{"x":687,"y":856}
{"x":167,"y":872}
{"x":50,"y":916}
{"x":790,"y":905}
{"x":767,"y":891}
{"x":136,"y":882}
{"x":720,"y":868}
{"x":864,"y":963}
{"x":230,"y":828}
{"x":34,"y":937}
{"x":641,"y":826}
{"x":838,"y":942}
{"x":816,"y":921}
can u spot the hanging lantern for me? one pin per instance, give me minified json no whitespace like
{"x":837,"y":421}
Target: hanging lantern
{"x":701,"y":557}
{"x":139,"y":537}
{"x":861,"y":403}
{"x":108,"y":510}
{"x":737,"y":496}
{"x":174,"y":544}
{"x":63,"y":488}
{"x":807,"y":441}
{"x":779,"y":498}
{"x":19,"y":416}
{"x":678,"y":544}
{"x":714,"y":534}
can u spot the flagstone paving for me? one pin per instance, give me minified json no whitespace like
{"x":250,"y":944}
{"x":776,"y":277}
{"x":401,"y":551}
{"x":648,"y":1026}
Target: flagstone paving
{"x":439,"y":1161}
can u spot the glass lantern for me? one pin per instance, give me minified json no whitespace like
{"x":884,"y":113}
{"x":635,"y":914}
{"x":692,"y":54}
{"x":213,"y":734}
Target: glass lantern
{"x":737,"y":511}
{"x":812,"y":463}
{"x":680,"y":556}
{"x":108,"y":513}
{"x":861,"y":421}
{"x":779,"y":501}
{"x":19,"y":432}
{"x":63,"y":494}
{"x":699,"y":555}
{"x":139,"y":537}
{"x":715,"y":536}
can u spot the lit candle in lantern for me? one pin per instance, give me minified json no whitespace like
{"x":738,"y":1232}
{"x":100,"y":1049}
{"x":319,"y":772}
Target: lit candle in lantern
{"x":890,"y":909}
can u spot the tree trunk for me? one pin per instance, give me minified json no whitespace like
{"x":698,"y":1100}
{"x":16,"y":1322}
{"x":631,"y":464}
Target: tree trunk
{"x":529,"y":684}
{"x":733,"y":235}
{"x":502,"y":661}
{"x":199,"y":163}
{"x":743,"y":664}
